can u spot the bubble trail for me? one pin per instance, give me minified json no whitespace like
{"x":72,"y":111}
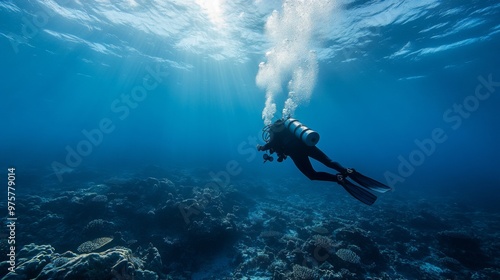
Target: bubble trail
{"x":293,"y":34}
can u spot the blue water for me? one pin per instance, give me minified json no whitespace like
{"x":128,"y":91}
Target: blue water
{"x":388,"y":73}
{"x":405,"y":91}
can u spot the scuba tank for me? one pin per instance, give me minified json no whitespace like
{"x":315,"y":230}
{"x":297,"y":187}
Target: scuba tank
{"x":305,"y":134}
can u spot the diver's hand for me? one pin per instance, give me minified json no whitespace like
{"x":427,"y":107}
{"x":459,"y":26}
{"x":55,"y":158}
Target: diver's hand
{"x":260,"y":148}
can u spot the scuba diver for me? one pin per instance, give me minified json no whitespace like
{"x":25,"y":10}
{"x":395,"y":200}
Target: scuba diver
{"x":289,"y":138}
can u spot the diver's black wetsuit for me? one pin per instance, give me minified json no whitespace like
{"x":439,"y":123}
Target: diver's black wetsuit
{"x":284,"y":143}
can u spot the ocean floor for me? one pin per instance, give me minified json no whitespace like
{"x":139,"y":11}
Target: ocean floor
{"x":177,"y":224}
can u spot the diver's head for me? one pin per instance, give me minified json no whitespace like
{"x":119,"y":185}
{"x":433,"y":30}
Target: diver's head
{"x":278,"y":126}
{"x":274,"y":127}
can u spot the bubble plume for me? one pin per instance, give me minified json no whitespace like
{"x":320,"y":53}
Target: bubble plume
{"x":293,"y":33}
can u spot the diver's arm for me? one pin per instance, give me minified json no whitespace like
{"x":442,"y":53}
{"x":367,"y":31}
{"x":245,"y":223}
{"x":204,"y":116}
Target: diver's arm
{"x":266,"y":147}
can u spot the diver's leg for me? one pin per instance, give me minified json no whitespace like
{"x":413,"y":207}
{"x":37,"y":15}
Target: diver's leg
{"x":304,"y":165}
{"x":318,"y":155}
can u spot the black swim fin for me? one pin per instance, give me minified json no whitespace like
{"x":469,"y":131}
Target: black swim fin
{"x":368,"y":182}
{"x":359,"y":193}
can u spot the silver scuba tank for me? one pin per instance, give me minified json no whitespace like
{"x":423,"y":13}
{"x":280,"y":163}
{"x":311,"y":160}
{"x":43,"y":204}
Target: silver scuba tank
{"x":305,"y":134}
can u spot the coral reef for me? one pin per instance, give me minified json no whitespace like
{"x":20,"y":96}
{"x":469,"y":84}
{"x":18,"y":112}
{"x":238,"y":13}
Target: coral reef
{"x":464,"y":248}
{"x":348,"y":255}
{"x":99,"y":227}
{"x":191,"y":227}
{"x":303,"y":273}
{"x":41,"y":262}
{"x":92,"y":245}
